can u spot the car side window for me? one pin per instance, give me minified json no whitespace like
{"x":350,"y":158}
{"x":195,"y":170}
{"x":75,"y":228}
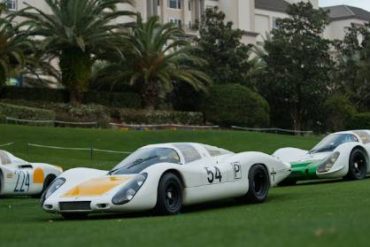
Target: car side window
{"x":189,"y":152}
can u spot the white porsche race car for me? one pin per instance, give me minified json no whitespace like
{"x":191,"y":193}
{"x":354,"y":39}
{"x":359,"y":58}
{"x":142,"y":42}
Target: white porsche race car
{"x":164,"y":177}
{"x":19,"y":177}
{"x":339,"y":155}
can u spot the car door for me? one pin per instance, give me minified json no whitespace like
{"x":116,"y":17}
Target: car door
{"x":208,"y":177}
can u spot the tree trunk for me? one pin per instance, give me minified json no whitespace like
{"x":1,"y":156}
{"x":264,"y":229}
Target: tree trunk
{"x":76,"y":72}
{"x":150,"y":95}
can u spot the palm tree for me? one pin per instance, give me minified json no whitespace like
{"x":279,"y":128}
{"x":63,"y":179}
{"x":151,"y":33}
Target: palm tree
{"x":76,"y":33}
{"x":155,"y":56}
{"x":13,"y":47}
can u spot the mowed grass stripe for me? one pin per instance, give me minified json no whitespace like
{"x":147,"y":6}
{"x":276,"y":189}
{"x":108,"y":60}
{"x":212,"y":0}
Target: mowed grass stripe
{"x":316,"y":214}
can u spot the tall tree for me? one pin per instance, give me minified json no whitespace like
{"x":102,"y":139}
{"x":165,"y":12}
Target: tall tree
{"x":155,"y":57}
{"x":220,"y":44}
{"x":297,"y":60}
{"x":13,"y":47}
{"x":353,"y":76}
{"x":76,"y":33}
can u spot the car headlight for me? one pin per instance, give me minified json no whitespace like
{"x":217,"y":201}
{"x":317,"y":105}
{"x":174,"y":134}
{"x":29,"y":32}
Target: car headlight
{"x":129,"y":191}
{"x":328,"y":163}
{"x":54,"y":186}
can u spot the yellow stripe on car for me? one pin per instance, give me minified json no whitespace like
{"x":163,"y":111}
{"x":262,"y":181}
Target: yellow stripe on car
{"x":38,"y":176}
{"x":96,"y":186}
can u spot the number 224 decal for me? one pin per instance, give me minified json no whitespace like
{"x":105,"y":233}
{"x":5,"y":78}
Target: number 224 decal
{"x":213,"y":175}
{"x":23,"y":182}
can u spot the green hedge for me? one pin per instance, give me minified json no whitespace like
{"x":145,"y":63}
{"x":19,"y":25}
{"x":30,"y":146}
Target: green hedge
{"x":359,"y":121}
{"x":83,"y":113}
{"x":131,"y":116}
{"x":24,"y":112}
{"x":124,"y":100}
{"x":234,"y":104}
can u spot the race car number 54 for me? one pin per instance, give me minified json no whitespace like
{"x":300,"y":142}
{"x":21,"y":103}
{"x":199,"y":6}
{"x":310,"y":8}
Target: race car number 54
{"x":213,"y":175}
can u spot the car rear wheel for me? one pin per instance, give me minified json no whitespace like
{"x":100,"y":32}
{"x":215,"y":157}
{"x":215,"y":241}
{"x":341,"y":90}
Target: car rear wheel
{"x":74,"y":216}
{"x":357,"y":168}
{"x":169,"y":198}
{"x":259,"y":184}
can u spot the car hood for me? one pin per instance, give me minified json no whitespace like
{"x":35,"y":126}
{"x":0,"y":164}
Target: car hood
{"x":97,"y":186}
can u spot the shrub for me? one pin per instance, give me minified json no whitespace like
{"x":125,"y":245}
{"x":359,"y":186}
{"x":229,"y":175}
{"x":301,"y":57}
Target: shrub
{"x":359,"y":121}
{"x":35,"y":94}
{"x":338,"y":111}
{"x":24,"y":112}
{"x":83,"y":113}
{"x":69,"y":113}
{"x":124,"y":100}
{"x":131,"y":116}
{"x":234,"y":104}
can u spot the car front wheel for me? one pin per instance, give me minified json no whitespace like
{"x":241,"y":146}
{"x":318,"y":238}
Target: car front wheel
{"x":169,"y":198}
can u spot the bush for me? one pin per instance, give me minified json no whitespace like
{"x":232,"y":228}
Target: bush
{"x":69,"y":113}
{"x":124,"y":100}
{"x":35,"y":94}
{"x":234,"y":104}
{"x":338,"y":111}
{"x":83,"y":113}
{"x":23,"y":112}
{"x":359,"y":121}
{"x":131,"y":116}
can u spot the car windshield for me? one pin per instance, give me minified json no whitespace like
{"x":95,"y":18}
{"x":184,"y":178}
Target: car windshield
{"x":331,"y":142}
{"x":143,"y":158}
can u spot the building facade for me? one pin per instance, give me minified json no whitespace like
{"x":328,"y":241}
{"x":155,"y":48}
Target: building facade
{"x":255,"y":17}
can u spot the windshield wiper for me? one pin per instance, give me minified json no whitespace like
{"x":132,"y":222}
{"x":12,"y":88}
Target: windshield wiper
{"x":135,"y":163}
{"x":140,"y":161}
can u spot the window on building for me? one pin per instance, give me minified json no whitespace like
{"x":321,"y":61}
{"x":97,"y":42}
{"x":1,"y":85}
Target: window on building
{"x":190,"y":5}
{"x":275,"y":22}
{"x":11,"y":4}
{"x":178,"y":22}
{"x":174,"y":4}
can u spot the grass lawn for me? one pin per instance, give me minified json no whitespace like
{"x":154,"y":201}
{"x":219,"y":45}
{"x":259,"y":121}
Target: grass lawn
{"x":318,"y":214}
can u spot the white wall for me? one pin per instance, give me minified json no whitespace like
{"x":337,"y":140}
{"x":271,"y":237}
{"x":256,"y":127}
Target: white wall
{"x":264,"y":21}
{"x":338,"y":29}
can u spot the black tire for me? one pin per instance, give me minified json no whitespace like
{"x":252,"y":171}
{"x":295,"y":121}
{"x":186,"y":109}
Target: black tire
{"x":48,"y":180}
{"x":169,"y":197}
{"x":357,"y":167}
{"x":259,"y":184}
{"x":74,"y":216}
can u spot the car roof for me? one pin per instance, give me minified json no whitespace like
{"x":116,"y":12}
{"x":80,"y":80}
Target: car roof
{"x":352,"y":131}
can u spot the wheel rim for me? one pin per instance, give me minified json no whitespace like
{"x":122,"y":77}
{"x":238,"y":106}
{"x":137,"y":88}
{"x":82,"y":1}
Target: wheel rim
{"x":172,"y":197}
{"x":358,"y":164}
{"x":260,"y":183}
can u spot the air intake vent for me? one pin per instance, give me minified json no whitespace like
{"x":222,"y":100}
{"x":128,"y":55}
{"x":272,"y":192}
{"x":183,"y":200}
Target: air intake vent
{"x":75,"y":206}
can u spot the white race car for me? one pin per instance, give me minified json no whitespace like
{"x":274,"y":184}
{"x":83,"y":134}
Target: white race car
{"x":164,"y":177}
{"x":342,"y":154}
{"x":19,"y":177}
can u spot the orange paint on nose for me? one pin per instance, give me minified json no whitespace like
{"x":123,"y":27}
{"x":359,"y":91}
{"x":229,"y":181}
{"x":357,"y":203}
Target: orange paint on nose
{"x":38,"y":176}
{"x":96,"y":186}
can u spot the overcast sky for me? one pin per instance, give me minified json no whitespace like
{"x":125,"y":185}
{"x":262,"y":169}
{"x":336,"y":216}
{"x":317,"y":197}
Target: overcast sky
{"x":365,"y":4}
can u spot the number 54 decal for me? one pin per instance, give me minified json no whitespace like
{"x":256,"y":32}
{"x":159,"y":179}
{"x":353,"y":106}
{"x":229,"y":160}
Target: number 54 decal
{"x":213,"y":175}
{"x":23,"y":182}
